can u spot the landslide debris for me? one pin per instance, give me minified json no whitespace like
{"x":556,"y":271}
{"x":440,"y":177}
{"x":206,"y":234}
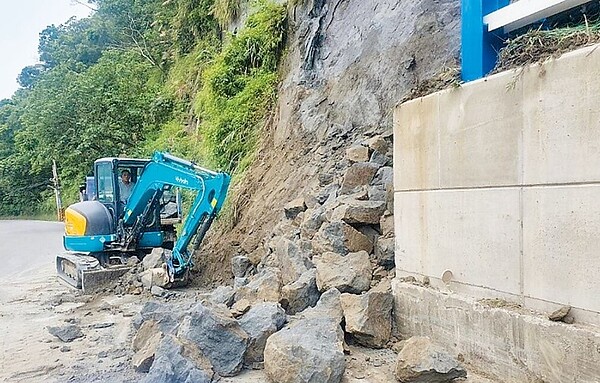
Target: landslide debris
{"x":322,"y":282}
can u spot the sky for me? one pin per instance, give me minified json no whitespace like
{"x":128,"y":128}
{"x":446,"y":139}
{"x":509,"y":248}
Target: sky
{"x":20,"y":25}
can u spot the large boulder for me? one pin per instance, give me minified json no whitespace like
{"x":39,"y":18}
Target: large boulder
{"x":177,"y":362}
{"x":218,"y":336}
{"x":223,"y":295}
{"x":262,"y":321}
{"x":359,"y":174}
{"x":359,"y":212}
{"x":308,"y":351}
{"x":145,"y":343}
{"x":421,"y":361}
{"x":300,"y":294}
{"x":357,"y":153}
{"x":292,"y":260}
{"x":263,"y":287}
{"x":329,"y":306}
{"x":349,"y":274}
{"x":313,"y":219}
{"x":341,"y":238}
{"x":369,"y":316}
{"x":167,"y":316}
{"x":295,"y":207}
{"x":154,"y":259}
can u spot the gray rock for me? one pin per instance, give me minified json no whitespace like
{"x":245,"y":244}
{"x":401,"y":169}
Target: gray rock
{"x":329,"y":306}
{"x":240,"y":265}
{"x":348,"y":274}
{"x":376,"y":193}
{"x":262,"y":321}
{"x":384,"y":176}
{"x":263,"y":287}
{"x":357,"y":153}
{"x":339,"y":237}
{"x":384,"y":252}
{"x":559,"y":314}
{"x":313,"y":219}
{"x":353,"y":211}
{"x":166,"y":315}
{"x":158,"y":291}
{"x":308,"y":351}
{"x":327,"y":194}
{"x":291,"y":260}
{"x":295,"y":207}
{"x":301,"y":294}
{"x":325,"y":179}
{"x":66,"y":333}
{"x":154,"y":259}
{"x":359,"y":174}
{"x":145,"y":343}
{"x":239,"y":282}
{"x":369,"y":316}
{"x":176,"y":362}
{"x":420,"y":361}
{"x":218,"y":336}
{"x":386,"y":224}
{"x":377,"y":143}
{"x":380,"y":159}
{"x":223,"y":295}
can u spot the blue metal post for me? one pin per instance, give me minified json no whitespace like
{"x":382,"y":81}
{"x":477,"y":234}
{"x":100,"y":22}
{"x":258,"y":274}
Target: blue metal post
{"x":479,"y":47}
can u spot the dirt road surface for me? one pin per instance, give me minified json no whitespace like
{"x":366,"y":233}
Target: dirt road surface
{"x":32,"y":299}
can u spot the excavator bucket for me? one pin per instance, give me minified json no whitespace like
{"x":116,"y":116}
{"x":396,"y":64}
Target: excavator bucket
{"x":84,"y":272}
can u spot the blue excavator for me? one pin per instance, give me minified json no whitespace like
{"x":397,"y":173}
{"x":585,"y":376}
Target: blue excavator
{"x":107,"y":228}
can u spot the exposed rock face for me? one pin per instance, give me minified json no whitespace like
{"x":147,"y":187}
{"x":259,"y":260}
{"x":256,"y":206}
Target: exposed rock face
{"x":369,"y":316}
{"x":218,"y":336}
{"x":339,"y":237}
{"x":260,"y":323}
{"x":420,"y":361}
{"x":349,"y":274}
{"x":308,"y":351}
{"x":301,"y":294}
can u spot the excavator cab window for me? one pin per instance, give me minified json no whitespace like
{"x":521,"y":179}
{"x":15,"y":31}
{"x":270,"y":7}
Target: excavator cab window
{"x":106,"y":184}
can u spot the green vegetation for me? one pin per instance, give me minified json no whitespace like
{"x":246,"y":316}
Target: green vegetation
{"x":135,"y":77}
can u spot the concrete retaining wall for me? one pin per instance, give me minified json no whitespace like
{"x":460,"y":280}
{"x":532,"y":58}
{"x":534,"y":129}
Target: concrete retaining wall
{"x":507,"y":344}
{"x":497,"y":186}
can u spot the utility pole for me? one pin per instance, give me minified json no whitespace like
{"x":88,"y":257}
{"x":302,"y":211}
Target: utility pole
{"x":55,"y":181}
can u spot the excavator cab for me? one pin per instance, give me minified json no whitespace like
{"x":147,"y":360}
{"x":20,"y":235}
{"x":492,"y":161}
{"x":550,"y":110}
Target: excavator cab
{"x":106,"y":228}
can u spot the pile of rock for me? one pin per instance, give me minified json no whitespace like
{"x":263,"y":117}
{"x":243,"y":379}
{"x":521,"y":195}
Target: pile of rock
{"x":322,"y":276}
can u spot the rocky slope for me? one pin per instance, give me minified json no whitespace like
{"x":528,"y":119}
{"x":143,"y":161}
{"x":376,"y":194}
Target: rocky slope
{"x":348,"y":63}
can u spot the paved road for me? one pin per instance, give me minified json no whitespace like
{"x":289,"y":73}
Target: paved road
{"x":26,"y":245}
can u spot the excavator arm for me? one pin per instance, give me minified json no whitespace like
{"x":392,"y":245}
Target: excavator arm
{"x":163,"y":172}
